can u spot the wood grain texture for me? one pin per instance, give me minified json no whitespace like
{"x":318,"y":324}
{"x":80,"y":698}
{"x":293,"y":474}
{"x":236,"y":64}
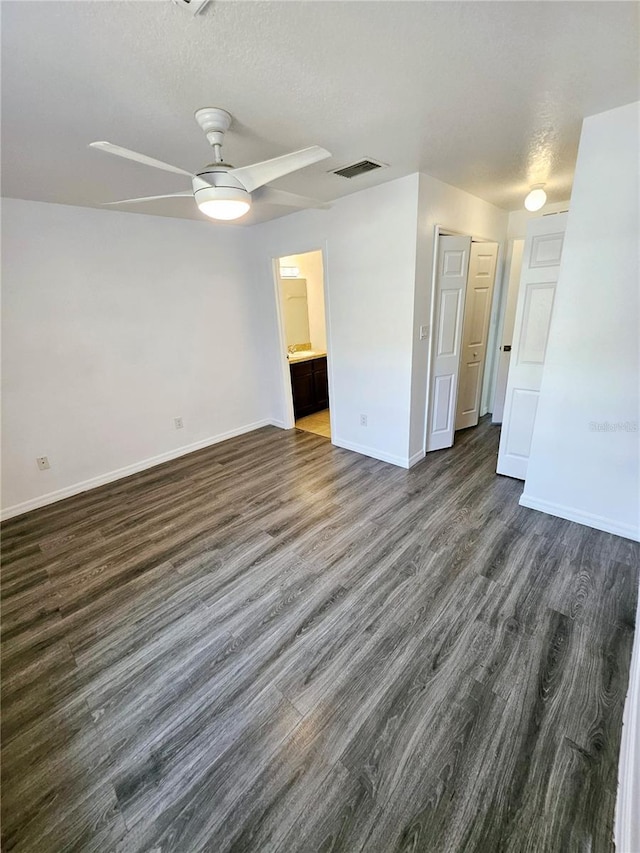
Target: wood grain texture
{"x":276,"y":645}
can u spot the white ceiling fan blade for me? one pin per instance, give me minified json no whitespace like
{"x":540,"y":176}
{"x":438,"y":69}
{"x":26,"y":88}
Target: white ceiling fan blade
{"x":259,"y":174}
{"x":270,"y":195}
{"x":139,"y":158}
{"x":185,"y":194}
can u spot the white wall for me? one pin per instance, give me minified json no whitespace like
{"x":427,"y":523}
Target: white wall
{"x":310,"y":267}
{"x":369,"y":245}
{"x":114,"y":324}
{"x":591,"y":371}
{"x":518,"y":219}
{"x":378,"y":249}
{"x":455,"y":210}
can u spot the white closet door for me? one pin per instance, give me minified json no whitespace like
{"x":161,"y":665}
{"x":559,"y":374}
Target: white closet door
{"x":534,"y":310}
{"x":477,"y":312}
{"x":451,"y":283}
{"x":506,"y":337}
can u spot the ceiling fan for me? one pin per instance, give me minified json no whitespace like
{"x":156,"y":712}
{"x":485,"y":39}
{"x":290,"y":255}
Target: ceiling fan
{"x":219,"y":190}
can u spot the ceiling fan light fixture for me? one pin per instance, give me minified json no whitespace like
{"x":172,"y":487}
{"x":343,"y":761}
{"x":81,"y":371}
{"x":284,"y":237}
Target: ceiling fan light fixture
{"x":223,"y":202}
{"x":222,"y":209}
{"x":536,"y":199}
{"x":221,"y":191}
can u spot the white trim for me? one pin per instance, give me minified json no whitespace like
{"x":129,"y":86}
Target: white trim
{"x":118,"y":474}
{"x":374,"y":453}
{"x":599,"y":522}
{"x":280,"y":424}
{"x":626,"y":826}
{"x":417,"y":457}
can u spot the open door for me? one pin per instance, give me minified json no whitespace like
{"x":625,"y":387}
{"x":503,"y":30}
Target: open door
{"x":451,"y":283}
{"x":506,"y":336}
{"x":477,"y":312}
{"x":534,"y":309}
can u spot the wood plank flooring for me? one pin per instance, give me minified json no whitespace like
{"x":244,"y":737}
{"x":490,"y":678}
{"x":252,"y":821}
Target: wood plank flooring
{"x":276,"y":645}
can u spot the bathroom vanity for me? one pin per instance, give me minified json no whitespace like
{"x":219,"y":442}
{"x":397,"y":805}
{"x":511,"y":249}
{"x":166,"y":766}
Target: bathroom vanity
{"x":309,"y":384}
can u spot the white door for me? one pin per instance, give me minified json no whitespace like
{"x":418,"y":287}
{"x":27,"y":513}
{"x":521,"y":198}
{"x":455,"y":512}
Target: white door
{"x":506,"y":335}
{"x":534,"y":309}
{"x":451,"y":282}
{"x":475,"y":328}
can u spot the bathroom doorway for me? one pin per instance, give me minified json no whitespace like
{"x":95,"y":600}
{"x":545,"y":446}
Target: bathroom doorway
{"x":300,"y":281}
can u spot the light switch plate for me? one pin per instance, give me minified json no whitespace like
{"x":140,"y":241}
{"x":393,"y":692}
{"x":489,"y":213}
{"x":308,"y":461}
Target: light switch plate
{"x":424,"y":332}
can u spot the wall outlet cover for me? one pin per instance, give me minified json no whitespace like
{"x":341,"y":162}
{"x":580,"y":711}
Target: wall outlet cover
{"x":363,"y":420}
{"x":178,"y":423}
{"x":43,"y":463}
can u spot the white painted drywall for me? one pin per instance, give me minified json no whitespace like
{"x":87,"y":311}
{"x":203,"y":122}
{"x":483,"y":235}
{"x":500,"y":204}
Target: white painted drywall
{"x":310,"y":268}
{"x":114,"y":324}
{"x":591,"y":371}
{"x":455,"y":210}
{"x":518,"y":219}
{"x":369,"y":245}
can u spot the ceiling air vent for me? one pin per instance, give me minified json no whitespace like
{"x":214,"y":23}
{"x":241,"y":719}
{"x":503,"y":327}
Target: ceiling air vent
{"x":195,"y":7}
{"x":359,"y":168}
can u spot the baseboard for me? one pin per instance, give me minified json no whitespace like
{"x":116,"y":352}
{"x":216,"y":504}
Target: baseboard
{"x":417,"y":457}
{"x":374,"y":453}
{"x":627,"y":819}
{"x":118,"y":474}
{"x":628,"y":531}
{"x":279,"y":424}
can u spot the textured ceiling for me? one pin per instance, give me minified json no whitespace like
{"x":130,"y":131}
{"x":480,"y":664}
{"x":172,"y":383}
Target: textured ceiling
{"x":487,"y":96}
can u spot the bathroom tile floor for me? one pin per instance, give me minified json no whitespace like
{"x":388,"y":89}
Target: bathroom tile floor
{"x":318,"y":423}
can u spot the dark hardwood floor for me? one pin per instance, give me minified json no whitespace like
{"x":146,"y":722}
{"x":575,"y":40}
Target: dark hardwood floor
{"x":276,"y":645}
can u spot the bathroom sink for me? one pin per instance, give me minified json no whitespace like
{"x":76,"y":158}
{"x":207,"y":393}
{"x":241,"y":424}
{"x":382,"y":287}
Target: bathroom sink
{"x":307,"y":353}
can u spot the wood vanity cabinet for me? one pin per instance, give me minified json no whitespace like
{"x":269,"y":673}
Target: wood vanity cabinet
{"x":310,"y":386}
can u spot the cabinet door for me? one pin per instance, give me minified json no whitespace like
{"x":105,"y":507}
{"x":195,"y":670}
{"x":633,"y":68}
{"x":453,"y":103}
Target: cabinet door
{"x":320,"y":383}
{"x":304,"y":399}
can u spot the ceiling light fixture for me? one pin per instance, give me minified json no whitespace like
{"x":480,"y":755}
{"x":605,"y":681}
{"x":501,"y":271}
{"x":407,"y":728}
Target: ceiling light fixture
{"x":536,"y":199}
{"x":219,"y":190}
{"x":221,"y":202}
{"x":289,"y":272}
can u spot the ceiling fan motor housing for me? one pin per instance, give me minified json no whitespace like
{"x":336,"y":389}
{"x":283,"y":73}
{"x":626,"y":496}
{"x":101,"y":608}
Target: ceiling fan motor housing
{"x":215,"y":183}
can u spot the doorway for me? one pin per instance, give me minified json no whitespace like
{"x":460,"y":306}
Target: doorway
{"x":301,"y":297}
{"x":464,"y":279}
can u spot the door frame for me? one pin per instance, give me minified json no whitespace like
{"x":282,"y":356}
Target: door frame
{"x":443,"y":231}
{"x":288,"y":420}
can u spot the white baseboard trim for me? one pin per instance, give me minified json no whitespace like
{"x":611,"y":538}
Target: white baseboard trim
{"x":279,"y":424}
{"x":417,"y":457}
{"x":627,"y":819}
{"x":628,"y":531}
{"x":374,"y":453}
{"x":118,"y":474}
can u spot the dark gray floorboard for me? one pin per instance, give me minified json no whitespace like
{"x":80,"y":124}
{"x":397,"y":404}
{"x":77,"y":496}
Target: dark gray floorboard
{"x":275,"y":645}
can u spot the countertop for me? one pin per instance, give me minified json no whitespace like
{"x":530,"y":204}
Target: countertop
{"x":304,"y":355}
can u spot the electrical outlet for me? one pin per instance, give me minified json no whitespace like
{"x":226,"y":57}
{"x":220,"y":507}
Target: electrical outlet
{"x":43,"y":462}
{"x":363,"y":420}
{"x":178,"y":423}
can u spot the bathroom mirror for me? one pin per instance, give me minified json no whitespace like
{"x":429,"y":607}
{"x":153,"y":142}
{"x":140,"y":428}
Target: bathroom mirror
{"x":296,"y":311}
